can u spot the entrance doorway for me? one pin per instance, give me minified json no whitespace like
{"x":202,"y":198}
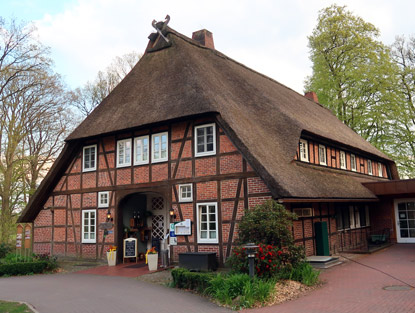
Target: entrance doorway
{"x":144,"y":217}
{"x":405,"y":217}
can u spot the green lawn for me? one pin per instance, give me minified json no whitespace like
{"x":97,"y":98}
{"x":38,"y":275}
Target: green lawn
{"x":13,"y":307}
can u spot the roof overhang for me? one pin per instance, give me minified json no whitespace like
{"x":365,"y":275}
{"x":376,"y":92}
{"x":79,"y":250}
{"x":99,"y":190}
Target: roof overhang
{"x":392,"y":188}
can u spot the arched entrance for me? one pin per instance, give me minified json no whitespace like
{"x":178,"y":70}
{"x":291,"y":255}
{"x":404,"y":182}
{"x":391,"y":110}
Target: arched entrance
{"x":142,"y":215}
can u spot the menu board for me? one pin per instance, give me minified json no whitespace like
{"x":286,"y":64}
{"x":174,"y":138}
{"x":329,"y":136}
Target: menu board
{"x":130,"y":248}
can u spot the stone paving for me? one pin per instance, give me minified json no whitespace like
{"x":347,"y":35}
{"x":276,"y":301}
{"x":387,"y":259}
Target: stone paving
{"x":350,"y":287}
{"x":353,"y":287}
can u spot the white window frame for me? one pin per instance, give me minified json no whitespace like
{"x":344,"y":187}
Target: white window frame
{"x":369,"y":167}
{"x":89,"y":169}
{"x":320,"y":155}
{"x":351,"y":216}
{"x":380,"y":169}
{"x":199,"y":154}
{"x":343,"y":164}
{"x":102,"y":194}
{"x":160,"y":159}
{"x":138,"y":141}
{"x":124,"y":163}
{"x":89,"y":240}
{"x":304,"y":151}
{"x":353,"y":164}
{"x":199,"y":228}
{"x":303,"y":212}
{"x":185,"y":199}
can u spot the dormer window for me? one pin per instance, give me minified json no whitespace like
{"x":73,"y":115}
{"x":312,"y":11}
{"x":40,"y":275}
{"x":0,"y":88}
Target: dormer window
{"x":380,"y":169}
{"x":304,"y":150}
{"x":369,"y":167}
{"x":343,"y":160}
{"x":353,"y":162}
{"x":322,"y":155}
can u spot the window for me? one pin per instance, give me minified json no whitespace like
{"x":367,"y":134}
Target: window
{"x":123,"y":152}
{"x":88,"y":226}
{"x":185,"y":193}
{"x":205,"y":143}
{"x":141,"y":150}
{"x":369,"y":167}
{"x":207,"y":222}
{"x":342,"y":217}
{"x":353,"y":162}
{"x":354,"y":216}
{"x":304,"y":150}
{"x":364,"y":215}
{"x":303,"y":212}
{"x":103,"y":199}
{"x":322,"y":155}
{"x":342,"y":160}
{"x":380,"y":169}
{"x":89,"y":158}
{"x":159,"y":148}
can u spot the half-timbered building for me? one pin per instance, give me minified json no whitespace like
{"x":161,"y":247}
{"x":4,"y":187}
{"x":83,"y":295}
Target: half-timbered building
{"x":192,"y":132}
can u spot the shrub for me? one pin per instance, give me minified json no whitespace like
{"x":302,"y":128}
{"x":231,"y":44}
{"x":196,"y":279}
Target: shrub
{"x":51,"y":261}
{"x":269,"y":260}
{"x":13,"y":269}
{"x":268,"y":223}
{"x":4,"y":249}
{"x":239,"y":290}
{"x":16,"y":258}
{"x":198,"y":281}
{"x":305,"y":274}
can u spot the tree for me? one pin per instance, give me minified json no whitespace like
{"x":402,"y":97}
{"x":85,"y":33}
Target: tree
{"x":403,"y":54}
{"x":32,"y":106}
{"x":353,"y":73}
{"x":87,"y":98}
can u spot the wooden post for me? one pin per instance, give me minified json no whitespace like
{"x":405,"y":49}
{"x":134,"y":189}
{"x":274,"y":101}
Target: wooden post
{"x":19,"y":237}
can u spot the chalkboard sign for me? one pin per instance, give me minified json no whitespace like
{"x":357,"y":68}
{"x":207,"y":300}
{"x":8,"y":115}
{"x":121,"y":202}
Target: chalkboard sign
{"x":130,"y":248}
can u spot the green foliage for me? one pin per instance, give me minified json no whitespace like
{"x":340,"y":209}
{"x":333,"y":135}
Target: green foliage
{"x":14,"y":307}
{"x":236,"y":290}
{"x":305,"y":273}
{"x":269,"y":223}
{"x":184,"y":279}
{"x":239,"y":290}
{"x":5,"y":249}
{"x":25,"y":268}
{"x":16,"y":258}
{"x":353,"y":73}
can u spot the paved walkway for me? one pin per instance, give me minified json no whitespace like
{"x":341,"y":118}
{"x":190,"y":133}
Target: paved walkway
{"x":349,"y":288}
{"x":353,"y":287}
{"x":85,"y":293}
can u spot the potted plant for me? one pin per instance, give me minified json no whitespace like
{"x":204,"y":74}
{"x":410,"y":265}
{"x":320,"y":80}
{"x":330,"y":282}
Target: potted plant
{"x":112,"y":256}
{"x":152,"y":259}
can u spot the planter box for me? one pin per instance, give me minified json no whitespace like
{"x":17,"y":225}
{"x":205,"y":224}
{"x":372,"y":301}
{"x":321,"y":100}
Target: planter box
{"x":112,"y":258}
{"x":198,"y":261}
{"x":152,"y":261}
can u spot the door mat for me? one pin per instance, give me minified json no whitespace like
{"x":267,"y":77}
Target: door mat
{"x":139,"y":265}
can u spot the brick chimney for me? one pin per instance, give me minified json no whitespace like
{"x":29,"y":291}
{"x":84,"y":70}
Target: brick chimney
{"x":204,"y":37}
{"x":312,"y":96}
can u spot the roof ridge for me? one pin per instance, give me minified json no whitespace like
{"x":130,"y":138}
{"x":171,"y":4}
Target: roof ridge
{"x":224,"y":56}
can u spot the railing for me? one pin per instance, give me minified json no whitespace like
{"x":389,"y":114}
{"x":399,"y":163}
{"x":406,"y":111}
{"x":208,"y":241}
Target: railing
{"x":361,"y":240}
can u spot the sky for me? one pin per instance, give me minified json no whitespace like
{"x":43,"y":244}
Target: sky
{"x":267,"y":36}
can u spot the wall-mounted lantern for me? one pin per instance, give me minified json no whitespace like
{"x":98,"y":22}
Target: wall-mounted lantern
{"x":171,"y":212}
{"x":109,"y":216}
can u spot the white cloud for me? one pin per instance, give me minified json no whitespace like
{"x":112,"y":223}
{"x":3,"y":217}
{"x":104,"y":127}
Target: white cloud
{"x":269,"y":36}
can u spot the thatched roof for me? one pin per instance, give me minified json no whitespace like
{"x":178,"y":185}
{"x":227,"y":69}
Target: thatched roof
{"x":267,"y":118}
{"x":263,"y":117}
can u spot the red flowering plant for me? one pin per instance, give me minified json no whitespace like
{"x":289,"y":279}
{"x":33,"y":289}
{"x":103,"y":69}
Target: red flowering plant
{"x":269,"y":260}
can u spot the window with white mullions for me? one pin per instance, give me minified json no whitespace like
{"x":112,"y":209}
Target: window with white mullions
{"x":89,"y":158}
{"x":160,"y":149}
{"x":205,"y":140}
{"x":185,"y":193}
{"x":304,"y":150}
{"x":124,"y":153}
{"x":343,"y":160}
{"x":89,"y":226}
{"x":208,"y":223}
{"x":141,"y":150}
